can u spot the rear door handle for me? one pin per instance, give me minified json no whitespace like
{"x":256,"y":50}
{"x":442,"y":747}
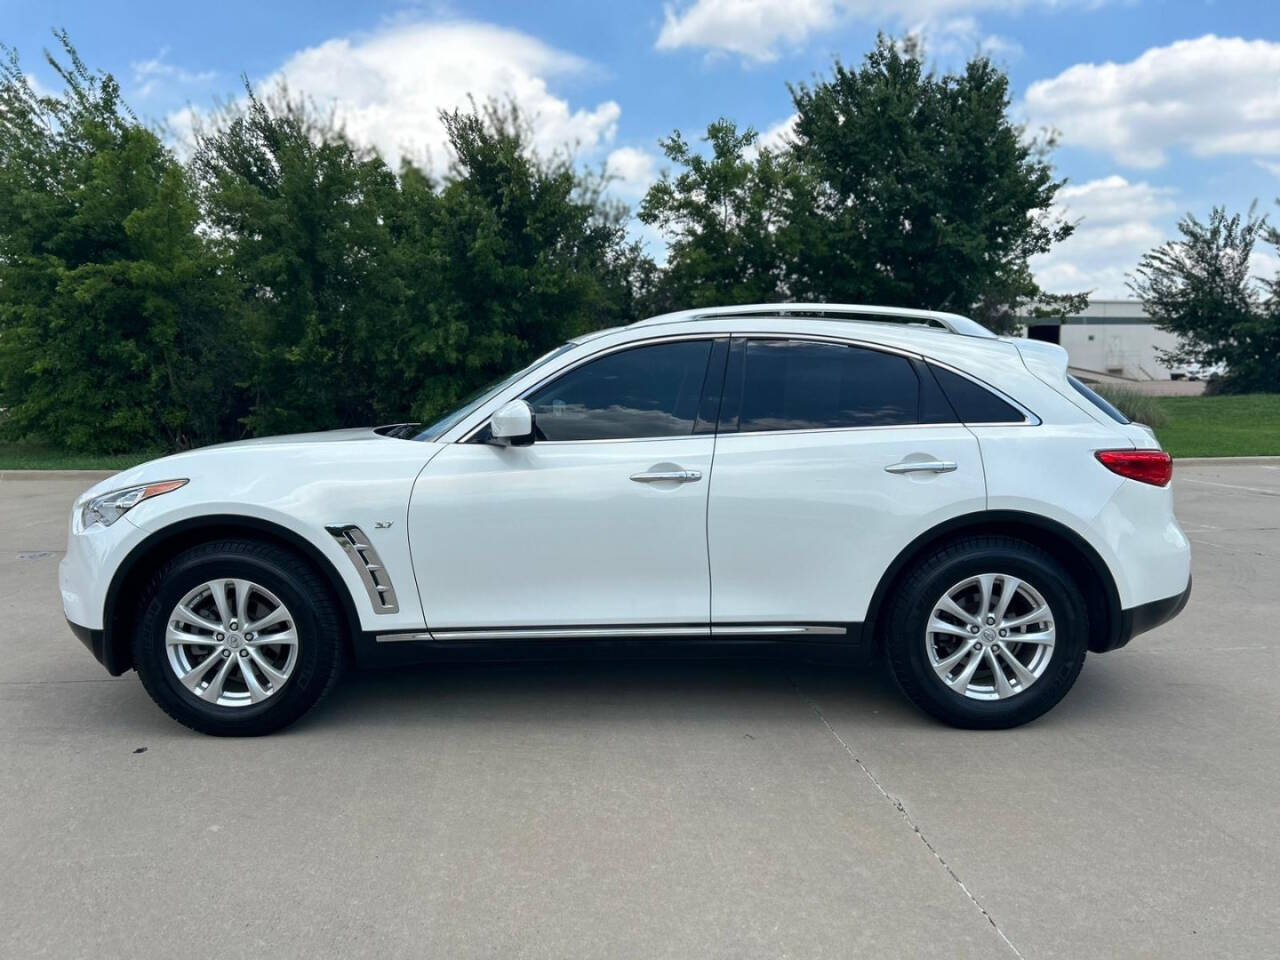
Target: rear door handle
{"x":921,"y":466}
{"x":678,"y":476}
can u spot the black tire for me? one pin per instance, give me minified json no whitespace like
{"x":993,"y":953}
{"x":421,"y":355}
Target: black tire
{"x":294,"y":581}
{"x":920,"y":591}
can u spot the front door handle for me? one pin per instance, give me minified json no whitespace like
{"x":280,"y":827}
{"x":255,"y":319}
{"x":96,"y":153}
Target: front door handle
{"x":921,"y":466}
{"x":677,"y":476}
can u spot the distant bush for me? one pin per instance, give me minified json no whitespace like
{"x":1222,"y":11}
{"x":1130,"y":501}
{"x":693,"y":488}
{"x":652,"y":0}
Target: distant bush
{"x":1139,"y":407}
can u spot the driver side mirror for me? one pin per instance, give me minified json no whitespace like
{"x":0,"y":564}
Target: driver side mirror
{"x":512,"y":425}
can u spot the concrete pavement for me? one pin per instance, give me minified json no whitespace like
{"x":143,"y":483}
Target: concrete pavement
{"x":656,"y":810}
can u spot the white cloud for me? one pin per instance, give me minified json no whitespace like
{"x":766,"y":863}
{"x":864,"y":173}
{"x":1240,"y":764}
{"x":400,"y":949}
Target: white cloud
{"x":1119,"y":221}
{"x":387,"y":88}
{"x":751,"y":28}
{"x":1272,"y":167}
{"x":961,"y":37}
{"x":149,"y":74}
{"x":779,"y":135}
{"x":1212,"y":95}
{"x":756,"y":29}
{"x":632,"y":171}
{"x":775,"y":137}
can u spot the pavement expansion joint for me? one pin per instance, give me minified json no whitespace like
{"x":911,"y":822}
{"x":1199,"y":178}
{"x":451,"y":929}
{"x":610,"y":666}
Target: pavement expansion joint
{"x":906,"y":816}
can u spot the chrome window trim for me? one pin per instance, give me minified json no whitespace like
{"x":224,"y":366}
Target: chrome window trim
{"x":616,"y":348}
{"x":1030,"y":417}
{"x":879,"y":426}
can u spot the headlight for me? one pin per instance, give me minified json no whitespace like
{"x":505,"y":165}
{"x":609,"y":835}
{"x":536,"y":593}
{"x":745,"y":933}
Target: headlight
{"x":110,"y":507}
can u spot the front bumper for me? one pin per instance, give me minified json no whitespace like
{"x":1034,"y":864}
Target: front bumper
{"x":95,"y":642}
{"x":84,"y":579}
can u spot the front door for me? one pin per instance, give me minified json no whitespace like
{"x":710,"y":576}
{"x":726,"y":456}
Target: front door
{"x":598,"y":528}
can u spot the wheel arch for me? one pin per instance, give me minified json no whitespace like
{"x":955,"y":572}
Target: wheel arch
{"x":132,"y":573}
{"x":1068,"y":547}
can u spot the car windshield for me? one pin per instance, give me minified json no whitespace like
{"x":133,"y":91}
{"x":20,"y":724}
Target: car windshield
{"x":480,"y":398}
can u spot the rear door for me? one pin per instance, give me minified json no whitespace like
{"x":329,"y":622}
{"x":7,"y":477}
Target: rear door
{"x":831,"y":457}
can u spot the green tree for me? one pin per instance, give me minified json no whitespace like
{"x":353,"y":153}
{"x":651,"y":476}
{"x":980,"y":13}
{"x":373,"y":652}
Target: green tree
{"x":1199,"y":287}
{"x":110,"y":319}
{"x":896,"y":186}
{"x":728,"y":217}
{"x":927,"y":194}
{"x":302,"y":221}
{"x":525,"y":252}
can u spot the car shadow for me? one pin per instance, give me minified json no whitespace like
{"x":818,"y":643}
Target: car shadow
{"x":609,"y":694}
{"x":604,"y":692}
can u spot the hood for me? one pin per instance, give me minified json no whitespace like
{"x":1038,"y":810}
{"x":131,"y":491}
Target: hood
{"x":320,"y":436}
{"x":301,"y":448}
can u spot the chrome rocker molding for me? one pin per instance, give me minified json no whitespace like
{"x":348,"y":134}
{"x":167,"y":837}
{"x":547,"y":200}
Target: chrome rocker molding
{"x":368,"y":565}
{"x":620,"y":632}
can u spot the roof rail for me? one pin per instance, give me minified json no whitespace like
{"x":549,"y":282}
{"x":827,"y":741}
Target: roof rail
{"x":951,"y":322}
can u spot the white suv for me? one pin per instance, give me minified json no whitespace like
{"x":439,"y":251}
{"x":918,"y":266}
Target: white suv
{"x":835,"y":481}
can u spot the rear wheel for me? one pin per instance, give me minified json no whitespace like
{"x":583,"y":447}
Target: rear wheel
{"x":237,"y":638}
{"x":988,"y":632}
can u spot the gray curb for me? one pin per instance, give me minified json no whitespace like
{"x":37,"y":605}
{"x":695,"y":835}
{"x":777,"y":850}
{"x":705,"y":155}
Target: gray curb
{"x":89,"y":476}
{"x":1226,"y":461}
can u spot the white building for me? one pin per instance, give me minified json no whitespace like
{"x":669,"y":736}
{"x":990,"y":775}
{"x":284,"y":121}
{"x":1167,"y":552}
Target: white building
{"x":1111,"y":337}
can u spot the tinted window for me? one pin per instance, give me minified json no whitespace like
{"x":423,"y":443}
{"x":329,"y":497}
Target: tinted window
{"x":1098,"y":401}
{"x":974,"y":403}
{"x":800,"y":385}
{"x":644,"y":392}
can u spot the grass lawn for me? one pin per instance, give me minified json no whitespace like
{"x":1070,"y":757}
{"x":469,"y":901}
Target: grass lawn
{"x":1234,"y":426}
{"x":31,"y":456}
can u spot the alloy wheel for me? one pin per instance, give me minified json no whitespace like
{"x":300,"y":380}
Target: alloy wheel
{"x":990,"y":636}
{"x":231,"y":642}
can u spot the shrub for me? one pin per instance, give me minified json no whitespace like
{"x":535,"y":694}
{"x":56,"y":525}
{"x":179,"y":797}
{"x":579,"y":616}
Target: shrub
{"x":1139,"y":407}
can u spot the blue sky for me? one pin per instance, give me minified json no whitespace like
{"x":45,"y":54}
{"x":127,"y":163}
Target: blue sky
{"x":1164,"y":106}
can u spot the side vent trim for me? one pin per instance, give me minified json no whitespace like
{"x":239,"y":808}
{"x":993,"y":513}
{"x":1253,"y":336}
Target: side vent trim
{"x":368,"y":566}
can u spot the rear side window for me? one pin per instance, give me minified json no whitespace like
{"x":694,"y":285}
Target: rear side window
{"x":972,"y":402}
{"x":1098,"y":401}
{"x":651,"y":391}
{"x":805,"y":385}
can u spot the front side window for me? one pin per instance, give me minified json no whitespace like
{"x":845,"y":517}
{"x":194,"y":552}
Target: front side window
{"x":650,"y":391}
{"x":481,"y":397}
{"x":805,"y":385}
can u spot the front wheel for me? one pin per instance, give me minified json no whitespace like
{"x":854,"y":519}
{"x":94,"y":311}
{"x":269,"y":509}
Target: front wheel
{"x":237,"y":638}
{"x":987,"y":633}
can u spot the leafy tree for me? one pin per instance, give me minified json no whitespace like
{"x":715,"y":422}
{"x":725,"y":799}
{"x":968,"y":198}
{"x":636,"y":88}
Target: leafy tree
{"x":526,"y":253}
{"x":897,"y":186}
{"x":1199,"y":287}
{"x":728,"y":217}
{"x":302,"y":220}
{"x":110,"y":321}
{"x":927,"y":194}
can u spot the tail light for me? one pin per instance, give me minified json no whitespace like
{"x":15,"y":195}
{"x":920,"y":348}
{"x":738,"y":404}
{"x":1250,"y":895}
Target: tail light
{"x":1146,"y":466}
